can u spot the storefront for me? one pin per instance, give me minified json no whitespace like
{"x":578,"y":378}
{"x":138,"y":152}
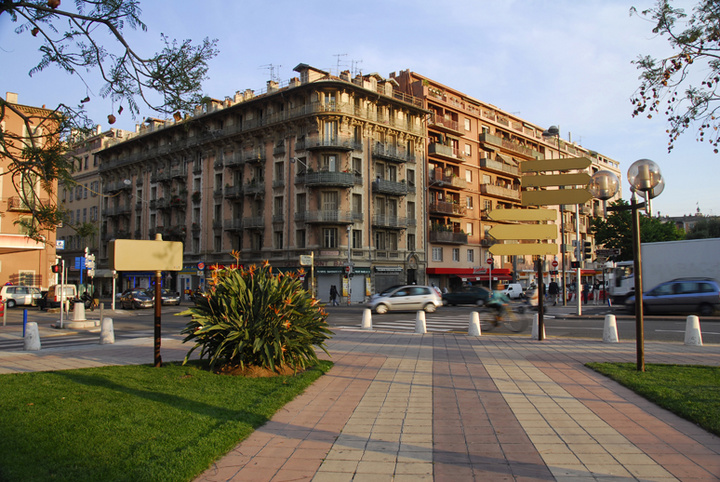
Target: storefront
{"x":453,"y":278}
{"x":356,"y":285}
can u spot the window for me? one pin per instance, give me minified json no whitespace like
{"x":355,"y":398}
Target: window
{"x":331,"y":132}
{"x":392,"y":241}
{"x":410,"y":174}
{"x":411,"y":242}
{"x":437,"y":254}
{"x":411,"y":210}
{"x":87,"y":164}
{"x":300,"y":238}
{"x":300,"y":203}
{"x":469,"y":203}
{"x":329,"y":163}
{"x":487,"y":205}
{"x":467,"y":124}
{"x":469,"y":228}
{"x":357,"y":239}
{"x":456,"y":255}
{"x":278,"y":239}
{"x":357,"y":165}
{"x":392,"y":173}
{"x":217,"y":242}
{"x":357,"y":204}
{"x":330,"y":201}
{"x":486,"y":179}
{"x":279,"y":171}
{"x":84,"y":215}
{"x":468,"y":175}
{"x":380,"y":241}
{"x":468,"y":150}
{"x":278,"y":206}
{"x":257,"y":242}
{"x":471,"y":255}
{"x":330,"y":238}
{"x":95,"y":160}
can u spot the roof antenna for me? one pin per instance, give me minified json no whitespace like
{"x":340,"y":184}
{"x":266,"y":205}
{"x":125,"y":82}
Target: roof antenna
{"x":272,"y":69}
{"x":355,"y":69}
{"x":338,"y":62}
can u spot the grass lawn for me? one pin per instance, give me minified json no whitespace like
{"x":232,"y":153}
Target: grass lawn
{"x":692,"y":392}
{"x":136,"y":423}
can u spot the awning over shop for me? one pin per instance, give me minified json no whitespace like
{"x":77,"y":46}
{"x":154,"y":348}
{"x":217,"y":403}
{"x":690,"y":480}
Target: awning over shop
{"x":13,"y":243}
{"x":473,"y":274}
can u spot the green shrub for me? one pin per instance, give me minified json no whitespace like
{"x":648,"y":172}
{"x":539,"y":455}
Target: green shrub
{"x":251,"y":317}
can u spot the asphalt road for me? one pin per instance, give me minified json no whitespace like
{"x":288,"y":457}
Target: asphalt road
{"x":559,"y":322}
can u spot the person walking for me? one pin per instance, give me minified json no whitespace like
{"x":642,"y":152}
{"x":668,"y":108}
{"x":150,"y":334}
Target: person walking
{"x":553,"y":291}
{"x":333,"y":296}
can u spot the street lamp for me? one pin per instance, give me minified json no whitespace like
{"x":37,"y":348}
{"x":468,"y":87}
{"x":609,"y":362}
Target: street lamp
{"x":554,"y":131}
{"x":644,"y":177}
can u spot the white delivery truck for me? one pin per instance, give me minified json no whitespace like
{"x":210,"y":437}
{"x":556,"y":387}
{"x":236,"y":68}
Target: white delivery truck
{"x":664,"y":261}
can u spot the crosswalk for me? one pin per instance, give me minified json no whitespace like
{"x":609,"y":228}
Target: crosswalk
{"x":59,"y":341}
{"x":433,"y":323}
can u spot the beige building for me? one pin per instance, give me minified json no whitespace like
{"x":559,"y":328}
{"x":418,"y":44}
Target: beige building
{"x":474,"y":153}
{"x":332,"y":166}
{"x":23,"y":260}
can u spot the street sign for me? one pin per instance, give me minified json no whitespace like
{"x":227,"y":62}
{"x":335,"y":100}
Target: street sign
{"x":489,"y":261}
{"x":576,"y":179}
{"x":554,"y":263}
{"x":524,"y":231}
{"x":306,"y":260}
{"x":555,"y":164}
{"x":524,"y":249}
{"x":606,"y":253}
{"x":555,"y":196}
{"x":523,"y":214}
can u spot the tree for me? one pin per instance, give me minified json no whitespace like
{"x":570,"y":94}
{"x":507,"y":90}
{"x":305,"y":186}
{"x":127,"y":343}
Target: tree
{"x":74,"y":41}
{"x":705,"y":228}
{"x":616,"y":231}
{"x":669,"y":86}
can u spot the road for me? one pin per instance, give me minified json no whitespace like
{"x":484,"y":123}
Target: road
{"x":559,"y":322}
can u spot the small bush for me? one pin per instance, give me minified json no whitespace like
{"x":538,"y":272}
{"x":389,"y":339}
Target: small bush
{"x":253,"y":317}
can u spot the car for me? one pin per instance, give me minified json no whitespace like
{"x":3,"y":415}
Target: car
{"x":135,"y":298}
{"x":52,"y":297}
{"x":682,"y":295}
{"x":14,"y":295}
{"x":406,"y":298}
{"x":514,"y":291}
{"x":169,"y":297}
{"x":467,"y":295}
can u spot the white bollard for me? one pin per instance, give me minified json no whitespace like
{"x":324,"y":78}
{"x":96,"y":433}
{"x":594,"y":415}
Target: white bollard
{"x":474,"y":328}
{"x":79,"y":311}
{"x":32,"y":337}
{"x":107,"y":332}
{"x":610,"y":334}
{"x":536,"y":328}
{"x":367,"y":319}
{"x":693,"y":335}
{"x":420,"y":326}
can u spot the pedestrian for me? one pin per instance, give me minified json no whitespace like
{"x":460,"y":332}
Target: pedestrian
{"x":553,"y":290}
{"x":333,"y":296}
{"x":585,"y":292}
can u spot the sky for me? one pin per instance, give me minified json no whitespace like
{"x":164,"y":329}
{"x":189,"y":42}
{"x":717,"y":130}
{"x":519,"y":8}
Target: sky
{"x":566,"y":63}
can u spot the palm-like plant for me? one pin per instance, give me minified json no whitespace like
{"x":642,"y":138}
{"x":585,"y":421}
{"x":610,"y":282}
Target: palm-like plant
{"x":253,"y":317}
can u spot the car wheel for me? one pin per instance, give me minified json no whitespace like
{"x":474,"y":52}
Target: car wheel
{"x":430,"y":308}
{"x":705,"y":309}
{"x":381,"y":309}
{"x":11,"y":303}
{"x":646,"y":309}
{"x":479,"y":302}
{"x":136,"y":305}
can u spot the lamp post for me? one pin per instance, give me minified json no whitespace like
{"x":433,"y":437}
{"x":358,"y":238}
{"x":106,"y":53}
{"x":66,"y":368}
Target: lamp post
{"x":644,"y":176}
{"x":554,"y":131}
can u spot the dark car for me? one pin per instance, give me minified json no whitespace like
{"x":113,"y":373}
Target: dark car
{"x":468,"y":295}
{"x":682,"y":295}
{"x":169,"y":297}
{"x":135,"y":298}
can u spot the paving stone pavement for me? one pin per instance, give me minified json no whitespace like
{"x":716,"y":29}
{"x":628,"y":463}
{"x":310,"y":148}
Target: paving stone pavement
{"x":399,"y":406}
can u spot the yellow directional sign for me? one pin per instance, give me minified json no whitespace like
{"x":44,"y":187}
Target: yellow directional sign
{"x":523,"y":214}
{"x":524,"y":231}
{"x":577,"y":179}
{"x":555,"y":164}
{"x":524,"y":249}
{"x":555,"y":196}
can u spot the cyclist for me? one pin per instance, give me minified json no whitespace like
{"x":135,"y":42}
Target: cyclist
{"x":499,"y":302}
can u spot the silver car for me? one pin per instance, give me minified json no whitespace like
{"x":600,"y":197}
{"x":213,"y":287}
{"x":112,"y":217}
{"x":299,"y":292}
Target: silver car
{"x":406,"y":298}
{"x":682,"y":295}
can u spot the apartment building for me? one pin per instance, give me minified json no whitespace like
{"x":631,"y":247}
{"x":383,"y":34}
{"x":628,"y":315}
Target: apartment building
{"x":82,"y":201}
{"x":328,"y":166}
{"x":23,"y":260}
{"x":474,"y":152}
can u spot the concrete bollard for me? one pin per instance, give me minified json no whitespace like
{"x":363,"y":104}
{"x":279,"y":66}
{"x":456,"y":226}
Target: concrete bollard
{"x":79,"y":311}
{"x":536,"y":328}
{"x":107,"y":333}
{"x":693,"y":335}
{"x":32,"y":337}
{"x":420,"y":326}
{"x":474,"y":328}
{"x":610,"y":334}
{"x":367,"y":319}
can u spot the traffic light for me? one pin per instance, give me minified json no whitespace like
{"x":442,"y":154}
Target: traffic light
{"x":56,"y":268}
{"x":587,"y":250}
{"x":574,"y":264}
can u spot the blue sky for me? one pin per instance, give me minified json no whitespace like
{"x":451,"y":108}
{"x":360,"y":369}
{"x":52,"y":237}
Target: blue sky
{"x":564,"y":62}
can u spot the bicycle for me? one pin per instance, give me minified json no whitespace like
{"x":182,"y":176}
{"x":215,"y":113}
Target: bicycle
{"x":515,"y":317}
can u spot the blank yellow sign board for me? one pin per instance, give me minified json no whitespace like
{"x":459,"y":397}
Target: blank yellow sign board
{"x":555,"y":164}
{"x":524,"y":249}
{"x":145,"y":255}
{"x":523,"y":214}
{"x":555,"y":197}
{"x":524,"y":231}
{"x":544,"y":180}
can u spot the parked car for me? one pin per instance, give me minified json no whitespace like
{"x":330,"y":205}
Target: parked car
{"x":406,"y":298}
{"x":682,"y":295}
{"x":14,"y":295}
{"x":467,"y":295}
{"x":169,"y":297}
{"x":135,"y":298}
{"x":52,"y":298}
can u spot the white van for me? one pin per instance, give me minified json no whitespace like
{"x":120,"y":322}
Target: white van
{"x":19,"y":295}
{"x":514,"y":291}
{"x":53,"y":297}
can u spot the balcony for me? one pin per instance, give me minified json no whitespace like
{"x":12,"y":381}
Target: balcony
{"x":326,"y":178}
{"x":117,"y":186}
{"x":179,"y":172}
{"x":328,"y":217}
{"x":392,"y":154}
{"x":255,"y":157}
{"x":447,"y":209}
{"x":338,"y":143}
{"x":389,"y":222}
{"x":233,"y":192}
{"x":391,"y":188}
{"x":437,"y":179}
{"x":254,"y":188}
{"x":441,"y":123}
{"x":503,"y":192}
{"x":509,"y":145}
{"x":442,"y":151}
{"x":499,"y":167}
{"x":120,"y":210}
{"x":447,"y":237}
{"x":233,"y":224}
{"x":160,"y":177}
{"x":236,"y":160}
{"x":254,"y":222}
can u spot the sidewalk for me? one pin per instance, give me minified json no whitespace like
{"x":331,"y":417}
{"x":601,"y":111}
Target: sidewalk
{"x":400,"y":406}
